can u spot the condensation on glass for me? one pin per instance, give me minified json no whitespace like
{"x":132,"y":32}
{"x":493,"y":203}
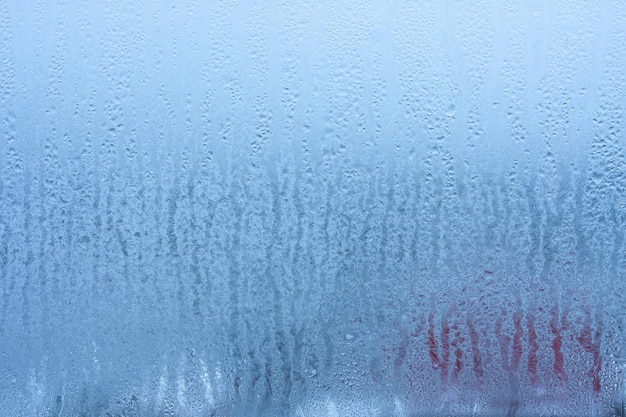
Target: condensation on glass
{"x":348,"y":208}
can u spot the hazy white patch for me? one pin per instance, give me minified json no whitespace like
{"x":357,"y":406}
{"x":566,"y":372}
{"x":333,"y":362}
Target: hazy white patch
{"x":398,"y":408}
{"x":208,"y":388}
{"x":161,"y":394}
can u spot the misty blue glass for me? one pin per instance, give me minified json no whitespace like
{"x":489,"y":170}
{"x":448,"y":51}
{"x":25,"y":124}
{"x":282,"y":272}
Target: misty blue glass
{"x":311,"y":208}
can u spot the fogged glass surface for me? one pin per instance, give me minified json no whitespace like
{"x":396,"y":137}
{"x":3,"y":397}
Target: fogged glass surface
{"x":346,"y":208}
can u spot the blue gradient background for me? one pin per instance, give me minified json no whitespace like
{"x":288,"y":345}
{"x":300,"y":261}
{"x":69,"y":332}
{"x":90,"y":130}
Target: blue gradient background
{"x":310,"y":208}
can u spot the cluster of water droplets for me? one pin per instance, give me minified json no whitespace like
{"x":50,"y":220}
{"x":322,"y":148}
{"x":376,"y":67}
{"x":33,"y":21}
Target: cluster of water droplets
{"x":309,"y":209}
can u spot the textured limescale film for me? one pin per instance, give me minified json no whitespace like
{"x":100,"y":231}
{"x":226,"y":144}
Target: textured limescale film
{"x":308,"y":208}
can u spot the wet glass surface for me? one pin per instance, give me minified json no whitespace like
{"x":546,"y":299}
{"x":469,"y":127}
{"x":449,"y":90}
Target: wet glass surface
{"x":372,"y":208}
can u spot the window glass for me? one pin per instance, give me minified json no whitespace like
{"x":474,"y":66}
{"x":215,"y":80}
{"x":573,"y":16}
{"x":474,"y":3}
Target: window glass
{"x":310,"y":208}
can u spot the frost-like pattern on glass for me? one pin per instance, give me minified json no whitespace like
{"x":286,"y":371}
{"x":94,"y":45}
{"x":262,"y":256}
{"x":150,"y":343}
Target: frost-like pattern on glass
{"x":346,"y":208}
